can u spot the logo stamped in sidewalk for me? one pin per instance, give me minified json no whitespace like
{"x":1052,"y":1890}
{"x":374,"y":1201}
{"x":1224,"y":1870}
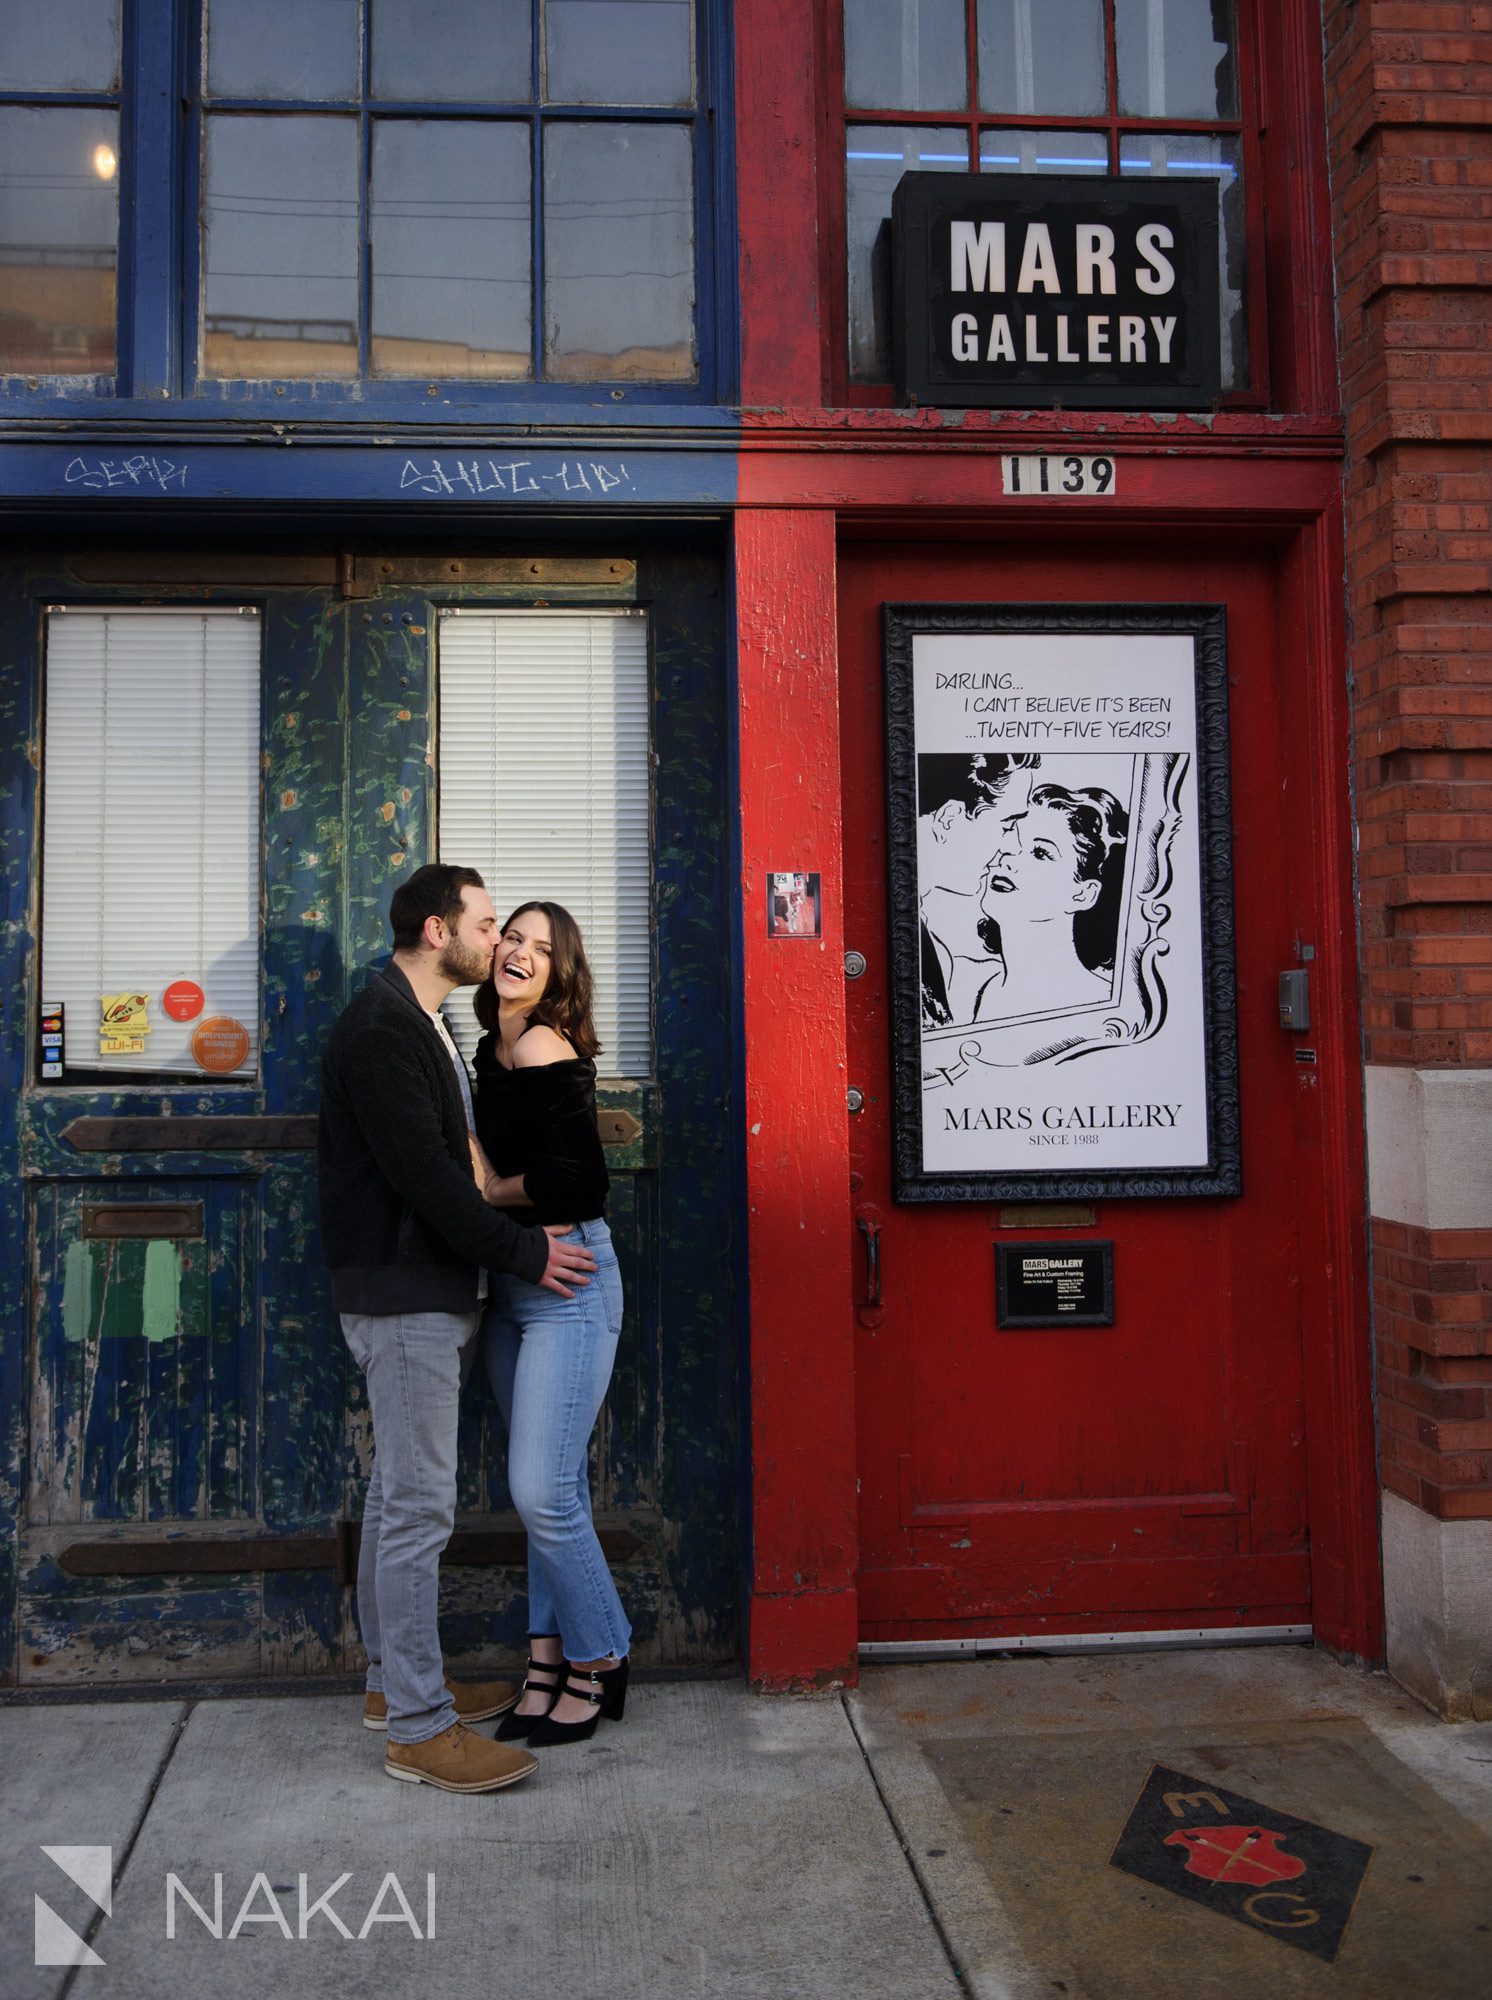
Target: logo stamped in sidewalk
{"x":1286,"y":1876}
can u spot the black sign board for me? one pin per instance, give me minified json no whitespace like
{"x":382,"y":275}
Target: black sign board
{"x":1054,"y":1284}
{"x":1042,"y":290}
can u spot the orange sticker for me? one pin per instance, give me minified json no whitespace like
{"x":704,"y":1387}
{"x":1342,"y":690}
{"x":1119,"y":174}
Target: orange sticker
{"x":220,"y":1044}
{"x":183,"y":1000}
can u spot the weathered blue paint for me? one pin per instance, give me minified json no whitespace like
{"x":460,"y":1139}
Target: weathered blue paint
{"x":519,"y":478}
{"x":303,"y":1359}
{"x":252,"y":1411}
{"x":20,"y":695}
{"x":698,"y":1183}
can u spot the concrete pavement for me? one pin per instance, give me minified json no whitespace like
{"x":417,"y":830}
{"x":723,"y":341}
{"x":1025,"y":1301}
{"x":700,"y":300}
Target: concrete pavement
{"x":944,"y":1829}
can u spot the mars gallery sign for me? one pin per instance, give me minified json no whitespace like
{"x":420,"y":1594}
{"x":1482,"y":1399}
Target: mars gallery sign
{"x":1038,"y":290}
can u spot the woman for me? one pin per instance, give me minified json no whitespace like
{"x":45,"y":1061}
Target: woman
{"x":538,"y":1154}
{"x":1054,"y":886}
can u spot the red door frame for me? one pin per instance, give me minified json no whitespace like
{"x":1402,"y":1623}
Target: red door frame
{"x":802,"y":1597}
{"x":809,"y":473}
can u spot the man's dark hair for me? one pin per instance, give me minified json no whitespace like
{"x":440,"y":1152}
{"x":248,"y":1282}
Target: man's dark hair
{"x":976,"y":781}
{"x":435,"y":890}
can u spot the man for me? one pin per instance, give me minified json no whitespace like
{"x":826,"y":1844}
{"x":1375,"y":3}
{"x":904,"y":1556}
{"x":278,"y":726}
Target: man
{"x":409,"y":1240}
{"x":965,"y":805}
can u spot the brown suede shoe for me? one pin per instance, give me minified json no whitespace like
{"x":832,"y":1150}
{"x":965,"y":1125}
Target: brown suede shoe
{"x":476,"y":1701}
{"x":458,"y":1760}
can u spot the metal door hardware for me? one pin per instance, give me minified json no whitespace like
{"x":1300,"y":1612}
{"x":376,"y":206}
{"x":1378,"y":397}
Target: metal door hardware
{"x":154,"y":1221}
{"x":871,"y":1231}
{"x":854,"y":964}
{"x":854,"y":1099}
{"x":1295,"y":1001}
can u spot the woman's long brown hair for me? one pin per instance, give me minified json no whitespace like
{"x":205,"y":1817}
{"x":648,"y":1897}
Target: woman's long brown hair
{"x":566,"y":1003}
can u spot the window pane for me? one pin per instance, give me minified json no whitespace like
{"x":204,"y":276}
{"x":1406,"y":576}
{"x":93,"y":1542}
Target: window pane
{"x":1042,"y":56}
{"x":292,"y":49}
{"x":544,"y":778}
{"x":1026,"y":152}
{"x":451,"y":249}
{"x":618,"y":52}
{"x":1192,"y":154}
{"x":459,"y":52}
{"x":876,"y":157}
{"x":1176,"y":58}
{"x":279,"y":276}
{"x":150,"y":865}
{"x":59,"y":224}
{"x":65,"y":45}
{"x":618,"y":253}
{"x":906,"y":55}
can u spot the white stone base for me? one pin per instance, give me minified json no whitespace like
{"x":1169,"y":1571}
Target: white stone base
{"x":1430,"y":1146}
{"x":1437,"y":1584}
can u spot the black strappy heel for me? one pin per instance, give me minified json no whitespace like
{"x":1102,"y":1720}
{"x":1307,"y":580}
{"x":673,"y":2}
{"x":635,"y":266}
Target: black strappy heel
{"x":514,"y":1727}
{"x":606,"y":1690}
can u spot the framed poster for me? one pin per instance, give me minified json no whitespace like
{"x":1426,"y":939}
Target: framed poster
{"x":1061,"y":902}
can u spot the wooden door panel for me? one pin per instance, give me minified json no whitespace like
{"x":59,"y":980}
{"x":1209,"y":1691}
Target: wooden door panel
{"x":249,"y":1422}
{"x":1152,"y":1469}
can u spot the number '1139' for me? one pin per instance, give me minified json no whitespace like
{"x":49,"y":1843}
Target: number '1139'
{"x":1070,"y":476}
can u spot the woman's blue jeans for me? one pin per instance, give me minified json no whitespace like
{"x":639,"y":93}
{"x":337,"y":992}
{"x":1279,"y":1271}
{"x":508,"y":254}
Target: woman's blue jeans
{"x":549,"y":1361}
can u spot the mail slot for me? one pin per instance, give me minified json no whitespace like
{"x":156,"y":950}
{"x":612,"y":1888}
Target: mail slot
{"x":141,"y":1220}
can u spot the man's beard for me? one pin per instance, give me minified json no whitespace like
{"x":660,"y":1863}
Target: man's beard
{"x":464,"y":963}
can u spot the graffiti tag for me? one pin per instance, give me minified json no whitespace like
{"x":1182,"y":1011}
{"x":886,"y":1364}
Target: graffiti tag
{"x":481,"y":478}
{"x":138,"y":474}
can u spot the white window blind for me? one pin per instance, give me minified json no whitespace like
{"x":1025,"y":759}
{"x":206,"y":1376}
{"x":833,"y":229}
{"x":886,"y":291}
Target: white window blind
{"x":150,"y":870}
{"x":544,"y":787}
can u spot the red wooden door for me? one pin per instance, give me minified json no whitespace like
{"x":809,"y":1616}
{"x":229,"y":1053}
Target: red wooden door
{"x":1144,"y":1476}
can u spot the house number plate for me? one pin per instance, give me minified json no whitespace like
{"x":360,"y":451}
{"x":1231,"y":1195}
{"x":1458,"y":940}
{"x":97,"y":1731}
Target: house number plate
{"x":1067,"y":476}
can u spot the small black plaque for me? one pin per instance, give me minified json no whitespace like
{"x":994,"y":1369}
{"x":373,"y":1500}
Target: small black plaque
{"x":1054,"y":1284}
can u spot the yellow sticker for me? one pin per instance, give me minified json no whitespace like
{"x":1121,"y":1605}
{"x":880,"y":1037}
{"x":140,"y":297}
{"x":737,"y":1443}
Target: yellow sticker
{"x":124,"y":1014}
{"x":121,"y":1045}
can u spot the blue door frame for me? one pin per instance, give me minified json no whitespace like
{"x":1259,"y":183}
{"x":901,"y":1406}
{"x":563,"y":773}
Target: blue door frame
{"x":245,"y":1424}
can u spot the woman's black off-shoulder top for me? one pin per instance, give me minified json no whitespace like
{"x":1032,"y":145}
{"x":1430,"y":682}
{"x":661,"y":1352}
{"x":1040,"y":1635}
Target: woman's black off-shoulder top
{"x":541,"y":1123}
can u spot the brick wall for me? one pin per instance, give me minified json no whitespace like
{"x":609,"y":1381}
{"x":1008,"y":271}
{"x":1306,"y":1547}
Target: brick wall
{"x":1410,"y":108}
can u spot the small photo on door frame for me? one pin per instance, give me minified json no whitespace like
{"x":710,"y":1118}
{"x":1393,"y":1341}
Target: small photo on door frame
{"x":795,"y":904}
{"x":1060,"y":855}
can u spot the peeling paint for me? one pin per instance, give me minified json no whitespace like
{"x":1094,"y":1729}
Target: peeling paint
{"x":160,"y":1302}
{"x":77,"y":1292}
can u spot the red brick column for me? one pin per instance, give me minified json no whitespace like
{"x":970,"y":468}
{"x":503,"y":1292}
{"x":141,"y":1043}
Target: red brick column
{"x":1410,"y":111}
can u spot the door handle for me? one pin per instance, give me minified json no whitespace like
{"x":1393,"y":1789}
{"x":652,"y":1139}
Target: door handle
{"x":871,"y":1231}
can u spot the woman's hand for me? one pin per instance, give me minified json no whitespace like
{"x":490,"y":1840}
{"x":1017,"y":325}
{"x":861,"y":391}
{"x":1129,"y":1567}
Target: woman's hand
{"x":504,"y":1191}
{"x":481,"y":1166}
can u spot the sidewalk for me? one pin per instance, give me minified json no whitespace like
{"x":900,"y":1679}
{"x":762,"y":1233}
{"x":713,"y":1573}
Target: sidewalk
{"x":944,"y":1830}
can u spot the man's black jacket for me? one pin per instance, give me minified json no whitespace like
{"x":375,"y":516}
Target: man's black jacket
{"x":403,"y":1225}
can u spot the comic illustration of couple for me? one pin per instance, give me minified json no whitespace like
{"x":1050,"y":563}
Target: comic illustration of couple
{"x":1021,"y":885}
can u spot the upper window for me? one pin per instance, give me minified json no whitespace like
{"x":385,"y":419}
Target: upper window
{"x":1114,"y":87}
{"x":488,"y":190}
{"x":360,"y":192}
{"x":59,"y":186}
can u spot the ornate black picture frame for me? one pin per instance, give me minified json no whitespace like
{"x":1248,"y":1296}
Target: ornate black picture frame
{"x":1061,"y":902}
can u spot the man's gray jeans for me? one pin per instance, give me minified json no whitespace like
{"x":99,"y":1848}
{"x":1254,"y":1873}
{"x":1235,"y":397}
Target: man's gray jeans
{"x":415,"y":1364}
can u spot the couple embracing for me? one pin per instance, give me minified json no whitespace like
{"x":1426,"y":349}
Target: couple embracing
{"x":455,"y":1225}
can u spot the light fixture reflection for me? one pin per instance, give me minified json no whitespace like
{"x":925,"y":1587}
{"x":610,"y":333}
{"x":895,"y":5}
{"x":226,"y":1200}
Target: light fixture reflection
{"x":105,"y":162}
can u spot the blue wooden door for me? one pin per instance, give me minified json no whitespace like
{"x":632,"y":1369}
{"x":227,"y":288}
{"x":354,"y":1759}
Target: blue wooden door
{"x":185,"y":1441}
